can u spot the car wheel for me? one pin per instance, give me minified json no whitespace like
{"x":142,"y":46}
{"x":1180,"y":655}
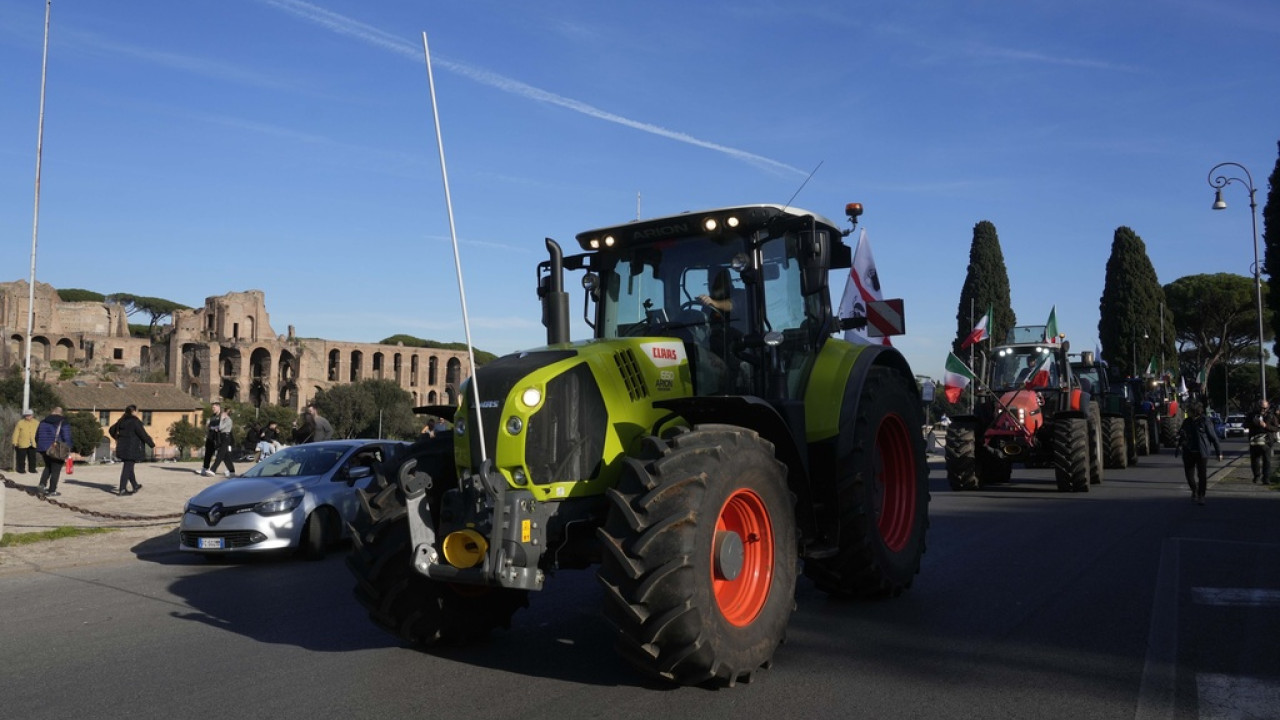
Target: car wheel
{"x":315,"y":534}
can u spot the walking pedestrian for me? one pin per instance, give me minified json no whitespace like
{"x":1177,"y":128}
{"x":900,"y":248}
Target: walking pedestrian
{"x":1259,"y":442}
{"x":24,"y":442}
{"x":53,"y":428}
{"x":211,"y":437}
{"x":323,"y":431}
{"x":131,"y":437}
{"x":1197,"y":440}
{"x":223,"y":454}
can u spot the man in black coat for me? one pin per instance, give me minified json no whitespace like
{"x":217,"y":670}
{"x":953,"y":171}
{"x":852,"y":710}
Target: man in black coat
{"x":130,"y":439}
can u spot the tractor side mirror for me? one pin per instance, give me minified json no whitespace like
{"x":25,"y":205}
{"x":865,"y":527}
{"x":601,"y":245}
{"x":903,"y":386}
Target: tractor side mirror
{"x":813,"y":252}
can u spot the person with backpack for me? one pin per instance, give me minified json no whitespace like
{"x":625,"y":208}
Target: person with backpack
{"x":54,"y":428}
{"x":1197,"y":440}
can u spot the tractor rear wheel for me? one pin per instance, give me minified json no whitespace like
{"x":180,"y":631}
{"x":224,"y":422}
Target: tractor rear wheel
{"x":1097,"y":446}
{"x":962,"y":469}
{"x":700,"y":556}
{"x":883,"y":491}
{"x":1071,"y":454}
{"x":1169,"y":427}
{"x":399,"y":599}
{"x":1117,"y":454}
{"x":1131,"y":440}
{"x":1142,"y":435}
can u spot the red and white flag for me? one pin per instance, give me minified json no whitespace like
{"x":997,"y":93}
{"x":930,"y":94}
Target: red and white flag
{"x":980,"y":331}
{"x":863,"y":287}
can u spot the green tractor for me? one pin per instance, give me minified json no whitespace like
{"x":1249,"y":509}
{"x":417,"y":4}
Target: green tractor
{"x":711,"y":442}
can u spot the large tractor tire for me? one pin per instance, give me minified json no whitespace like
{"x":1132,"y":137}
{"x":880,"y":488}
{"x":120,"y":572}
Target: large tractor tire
{"x":1071,"y":454}
{"x":418,"y":610}
{"x":883,"y":485}
{"x":1117,"y":450}
{"x":1169,"y":427}
{"x":1142,"y":436}
{"x":1131,"y":440}
{"x":700,"y":556}
{"x":1097,"y":447}
{"x":961,"y":454}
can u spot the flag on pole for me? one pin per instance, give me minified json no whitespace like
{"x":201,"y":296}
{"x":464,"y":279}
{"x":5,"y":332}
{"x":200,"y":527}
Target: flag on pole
{"x":980,"y":331}
{"x":1182,"y":386}
{"x":1151,"y":367}
{"x":862,"y":287}
{"x":1203,"y":379}
{"x":1051,"y":327}
{"x":1097,"y":353}
{"x":955,"y":377}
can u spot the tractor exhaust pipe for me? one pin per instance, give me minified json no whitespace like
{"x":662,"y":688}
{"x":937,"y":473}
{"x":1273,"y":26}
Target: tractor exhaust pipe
{"x":555,"y":301}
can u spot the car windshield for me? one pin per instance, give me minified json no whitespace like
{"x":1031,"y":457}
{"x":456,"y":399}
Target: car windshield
{"x":298,"y":460}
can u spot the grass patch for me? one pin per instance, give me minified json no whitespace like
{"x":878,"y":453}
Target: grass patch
{"x":15,"y":539}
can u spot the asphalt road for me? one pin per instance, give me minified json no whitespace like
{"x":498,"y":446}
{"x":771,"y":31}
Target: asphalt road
{"x":1126,"y":602}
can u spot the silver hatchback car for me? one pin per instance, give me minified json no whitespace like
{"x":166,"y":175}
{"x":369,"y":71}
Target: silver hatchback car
{"x":301,"y":497}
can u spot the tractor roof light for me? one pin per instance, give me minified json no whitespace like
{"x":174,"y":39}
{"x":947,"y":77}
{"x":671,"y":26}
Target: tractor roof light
{"x":710,"y":224}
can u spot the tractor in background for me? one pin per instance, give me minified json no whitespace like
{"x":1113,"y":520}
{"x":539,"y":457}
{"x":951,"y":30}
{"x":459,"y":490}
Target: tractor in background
{"x":1032,"y":410}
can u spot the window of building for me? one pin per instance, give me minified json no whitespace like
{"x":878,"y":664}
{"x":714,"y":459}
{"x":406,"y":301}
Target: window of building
{"x":117,"y":353}
{"x":146,"y":418}
{"x":104,"y":417}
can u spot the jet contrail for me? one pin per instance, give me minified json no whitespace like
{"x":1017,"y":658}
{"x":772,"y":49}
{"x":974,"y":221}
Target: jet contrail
{"x":352,"y":28}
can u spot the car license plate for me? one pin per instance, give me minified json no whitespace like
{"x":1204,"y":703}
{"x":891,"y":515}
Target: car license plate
{"x":212,"y":543}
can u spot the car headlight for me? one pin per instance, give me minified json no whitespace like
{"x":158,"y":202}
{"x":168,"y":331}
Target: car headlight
{"x":275,"y":506}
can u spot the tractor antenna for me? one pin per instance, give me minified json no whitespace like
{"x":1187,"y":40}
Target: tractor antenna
{"x":457,"y":258}
{"x":806,"y":182}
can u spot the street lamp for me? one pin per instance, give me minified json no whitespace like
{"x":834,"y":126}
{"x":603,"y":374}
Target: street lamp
{"x":1217,"y":183}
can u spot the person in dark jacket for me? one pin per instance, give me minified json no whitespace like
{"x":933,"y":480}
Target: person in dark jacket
{"x":53,"y":427}
{"x":1197,"y":440}
{"x":131,"y":437}
{"x":212,"y":437}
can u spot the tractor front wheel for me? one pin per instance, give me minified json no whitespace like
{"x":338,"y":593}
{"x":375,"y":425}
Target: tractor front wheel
{"x":1071,"y":454}
{"x":962,"y":469}
{"x":700,"y":556}
{"x":1117,"y":450}
{"x":399,"y":599}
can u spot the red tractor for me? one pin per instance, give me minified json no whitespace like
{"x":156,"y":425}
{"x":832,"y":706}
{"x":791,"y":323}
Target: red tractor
{"x":1033,"y":410}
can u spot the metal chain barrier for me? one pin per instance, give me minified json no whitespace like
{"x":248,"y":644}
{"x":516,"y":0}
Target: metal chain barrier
{"x":35,"y":493}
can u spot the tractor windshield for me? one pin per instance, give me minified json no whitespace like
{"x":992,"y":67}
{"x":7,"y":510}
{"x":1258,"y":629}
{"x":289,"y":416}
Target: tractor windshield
{"x":1022,"y":367}
{"x":719,"y":294}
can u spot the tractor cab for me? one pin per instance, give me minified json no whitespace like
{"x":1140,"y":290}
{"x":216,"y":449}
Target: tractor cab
{"x":742,"y":288}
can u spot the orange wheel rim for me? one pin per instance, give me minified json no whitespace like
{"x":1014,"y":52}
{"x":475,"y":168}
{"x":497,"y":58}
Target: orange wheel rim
{"x":742,"y":597}
{"x":895,"y":482}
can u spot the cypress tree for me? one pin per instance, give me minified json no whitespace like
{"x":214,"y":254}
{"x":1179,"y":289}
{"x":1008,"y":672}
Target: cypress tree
{"x":1129,"y":312}
{"x":986,"y":284}
{"x":1271,"y":248}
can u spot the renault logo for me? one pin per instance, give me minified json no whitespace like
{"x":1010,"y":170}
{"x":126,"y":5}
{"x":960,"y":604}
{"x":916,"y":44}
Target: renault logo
{"x":215,"y":514}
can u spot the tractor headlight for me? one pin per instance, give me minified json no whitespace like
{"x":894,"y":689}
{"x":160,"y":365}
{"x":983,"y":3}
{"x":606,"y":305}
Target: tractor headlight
{"x":531,"y":397}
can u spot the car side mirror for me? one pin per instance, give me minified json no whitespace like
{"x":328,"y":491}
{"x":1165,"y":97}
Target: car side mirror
{"x":358,"y":472}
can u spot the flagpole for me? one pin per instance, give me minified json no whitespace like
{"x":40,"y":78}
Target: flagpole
{"x":972,"y":391}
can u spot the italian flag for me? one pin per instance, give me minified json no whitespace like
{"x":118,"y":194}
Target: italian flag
{"x":955,"y":377}
{"x":1051,"y":328}
{"x":980,"y":331}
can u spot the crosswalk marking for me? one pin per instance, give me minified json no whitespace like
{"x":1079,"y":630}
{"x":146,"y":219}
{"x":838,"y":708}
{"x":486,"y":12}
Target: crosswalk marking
{"x":1235,"y":597}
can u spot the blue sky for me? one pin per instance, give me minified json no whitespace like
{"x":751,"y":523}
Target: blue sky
{"x":207,"y":146}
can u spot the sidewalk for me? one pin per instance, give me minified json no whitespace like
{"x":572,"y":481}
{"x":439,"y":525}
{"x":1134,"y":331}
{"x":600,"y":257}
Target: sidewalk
{"x":144,"y":524}
{"x":88,"y":497}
